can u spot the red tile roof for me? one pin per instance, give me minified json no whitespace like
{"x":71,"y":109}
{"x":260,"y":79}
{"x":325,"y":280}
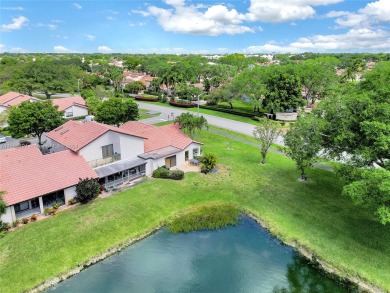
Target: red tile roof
{"x":65,"y":103}
{"x":75,"y":135}
{"x":25,"y":173}
{"x":14,"y":99}
{"x":159,"y":137}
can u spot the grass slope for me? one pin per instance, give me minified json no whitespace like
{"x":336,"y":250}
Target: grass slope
{"x":313,"y":214}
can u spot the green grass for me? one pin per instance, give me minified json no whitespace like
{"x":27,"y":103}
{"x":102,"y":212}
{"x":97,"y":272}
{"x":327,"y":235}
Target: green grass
{"x":211,"y":217}
{"x":143,"y":114}
{"x":312,"y":214}
{"x":163,"y":123}
{"x":209,"y":112}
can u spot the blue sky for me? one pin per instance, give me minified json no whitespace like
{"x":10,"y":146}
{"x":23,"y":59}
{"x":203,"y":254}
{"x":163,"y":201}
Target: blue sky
{"x":205,"y":26}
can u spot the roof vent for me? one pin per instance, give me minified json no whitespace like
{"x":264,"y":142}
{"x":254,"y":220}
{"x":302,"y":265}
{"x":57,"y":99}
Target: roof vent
{"x":65,"y":131}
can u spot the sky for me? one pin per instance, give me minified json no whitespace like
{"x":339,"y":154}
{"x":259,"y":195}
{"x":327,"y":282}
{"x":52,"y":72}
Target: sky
{"x":191,"y":26}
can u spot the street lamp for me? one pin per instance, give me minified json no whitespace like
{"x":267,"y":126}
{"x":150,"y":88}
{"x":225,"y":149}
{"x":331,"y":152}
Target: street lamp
{"x":199,"y":103}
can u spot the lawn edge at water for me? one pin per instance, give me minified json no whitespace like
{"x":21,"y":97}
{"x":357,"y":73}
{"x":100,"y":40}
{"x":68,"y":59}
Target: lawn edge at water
{"x":339,"y":276}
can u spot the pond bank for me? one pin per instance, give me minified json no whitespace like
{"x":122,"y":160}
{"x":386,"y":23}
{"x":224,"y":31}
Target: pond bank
{"x":361,"y":284}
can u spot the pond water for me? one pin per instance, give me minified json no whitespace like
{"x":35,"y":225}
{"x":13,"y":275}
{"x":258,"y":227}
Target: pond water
{"x":244,"y":258}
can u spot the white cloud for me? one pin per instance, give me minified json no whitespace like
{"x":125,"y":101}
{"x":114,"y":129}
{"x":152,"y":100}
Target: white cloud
{"x":104,"y":49}
{"x":141,"y":23}
{"x":61,"y":49}
{"x":284,"y":10}
{"x":90,"y":37}
{"x":379,"y":9}
{"x":17,"y":50}
{"x":77,"y":6}
{"x":17,"y":23}
{"x":49,"y":26}
{"x":140,"y":12}
{"x":360,"y":40}
{"x":216,"y":20}
{"x":17,"y":8}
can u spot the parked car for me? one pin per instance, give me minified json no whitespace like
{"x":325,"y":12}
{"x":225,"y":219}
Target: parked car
{"x":3,"y":139}
{"x":23,"y":142}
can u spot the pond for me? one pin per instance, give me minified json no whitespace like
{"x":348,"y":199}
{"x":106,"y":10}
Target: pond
{"x":244,"y":258}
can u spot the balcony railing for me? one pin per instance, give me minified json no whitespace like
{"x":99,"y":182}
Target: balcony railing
{"x":105,"y":161}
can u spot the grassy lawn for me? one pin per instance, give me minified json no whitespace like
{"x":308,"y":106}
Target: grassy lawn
{"x":209,"y":112}
{"x":312,"y":214}
{"x":143,"y":114}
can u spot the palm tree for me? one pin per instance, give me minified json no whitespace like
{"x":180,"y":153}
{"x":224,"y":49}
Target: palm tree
{"x":191,"y":124}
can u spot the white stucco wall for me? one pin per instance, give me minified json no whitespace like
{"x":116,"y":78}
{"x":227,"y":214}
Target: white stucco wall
{"x":77,"y":111}
{"x":130,"y":146}
{"x":7,"y":217}
{"x":69,"y":193}
{"x":126,"y":145}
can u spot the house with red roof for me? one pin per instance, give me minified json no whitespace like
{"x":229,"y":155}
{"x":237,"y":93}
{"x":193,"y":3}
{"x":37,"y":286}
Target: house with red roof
{"x":73,"y":107}
{"x":32,"y":181}
{"x":120,"y":154}
{"x":13,"y":99}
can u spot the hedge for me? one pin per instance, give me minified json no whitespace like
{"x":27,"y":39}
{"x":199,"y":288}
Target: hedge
{"x":163,"y":173}
{"x":175,"y":104}
{"x":228,"y":111}
{"x":139,"y":98}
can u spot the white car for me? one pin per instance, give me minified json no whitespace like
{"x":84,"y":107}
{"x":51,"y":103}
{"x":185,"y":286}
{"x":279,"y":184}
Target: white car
{"x":2,"y":139}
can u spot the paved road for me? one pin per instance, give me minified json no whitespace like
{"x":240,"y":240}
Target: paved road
{"x":14,"y":142}
{"x":166,"y":112}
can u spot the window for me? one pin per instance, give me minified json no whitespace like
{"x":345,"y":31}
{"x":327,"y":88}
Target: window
{"x":170,"y":161}
{"x":69,"y":114}
{"x":22,"y":206}
{"x":195,"y":151}
{"x":108,"y":151}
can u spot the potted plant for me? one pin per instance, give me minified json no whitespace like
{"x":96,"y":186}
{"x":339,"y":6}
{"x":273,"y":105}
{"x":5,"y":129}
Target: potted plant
{"x":33,"y":217}
{"x":47,"y":211}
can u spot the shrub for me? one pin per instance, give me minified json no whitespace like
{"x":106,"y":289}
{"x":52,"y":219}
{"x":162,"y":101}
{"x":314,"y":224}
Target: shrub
{"x":25,"y":220}
{"x":4,"y":226}
{"x":161,"y":172}
{"x":147,"y":98}
{"x":182,"y":105}
{"x":16,"y":223}
{"x":33,"y":218}
{"x":163,"y":98}
{"x":56,"y":205}
{"x":176,"y":175}
{"x":53,"y":212}
{"x":87,"y":190}
{"x":47,"y":211}
{"x":208,"y":162}
{"x":71,"y":201}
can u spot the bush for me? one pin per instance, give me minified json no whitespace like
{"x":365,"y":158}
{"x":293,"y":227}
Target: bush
{"x":16,"y":223}
{"x":208,"y":162}
{"x":147,"y":98}
{"x":56,"y":205}
{"x":163,"y":98}
{"x":71,"y":201}
{"x":33,"y":218}
{"x":53,"y":212}
{"x":161,"y":172}
{"x":47,"y":211}
{"x":182,"y":105}
{"x":4,"y":226}
{"x":87,"y":190}
{"x":25,"y":220}
{"x":176,"y":175}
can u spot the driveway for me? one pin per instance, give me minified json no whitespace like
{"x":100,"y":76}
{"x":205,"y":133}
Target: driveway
{"x":168,"y":113}
{"x":14,"y":142}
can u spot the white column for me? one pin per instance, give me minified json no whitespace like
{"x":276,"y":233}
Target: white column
{"x":13,"y":213}
{"x":29,"y":204}
{"x":41,"y":205}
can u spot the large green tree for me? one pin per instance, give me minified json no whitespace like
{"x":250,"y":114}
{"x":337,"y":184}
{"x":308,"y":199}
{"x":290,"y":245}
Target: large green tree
{"x":266,"y":134}
{"x":34,"y":119}
{"x":116,"y":111}
{"x":134,"y":87}
{"x":283,"y":91}
{"x":304,"y":142}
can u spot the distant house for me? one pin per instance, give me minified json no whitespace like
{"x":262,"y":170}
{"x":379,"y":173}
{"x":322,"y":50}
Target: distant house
{"x":131,"y":76}
{"x":74,"y":107}
{"x":14,"y":99}
{"x":32,"y":181}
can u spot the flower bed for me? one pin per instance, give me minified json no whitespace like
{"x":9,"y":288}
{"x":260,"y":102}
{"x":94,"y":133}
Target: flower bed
{"x":139,"y":98}
{"x":182,"y":105}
